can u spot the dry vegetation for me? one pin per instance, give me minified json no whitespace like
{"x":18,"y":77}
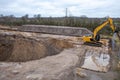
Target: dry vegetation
{"x":86,"y":22}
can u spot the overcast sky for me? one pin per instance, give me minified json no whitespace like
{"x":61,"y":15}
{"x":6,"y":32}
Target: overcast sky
{"x":56,"y":8}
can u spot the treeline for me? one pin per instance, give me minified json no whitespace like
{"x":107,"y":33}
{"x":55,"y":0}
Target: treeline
{"x":83,"y":21}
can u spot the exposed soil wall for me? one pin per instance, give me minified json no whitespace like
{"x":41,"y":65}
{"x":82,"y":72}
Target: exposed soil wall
{"x":19,"y":48}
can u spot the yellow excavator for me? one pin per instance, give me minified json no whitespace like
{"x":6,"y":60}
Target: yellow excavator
{"x":95,"y":37}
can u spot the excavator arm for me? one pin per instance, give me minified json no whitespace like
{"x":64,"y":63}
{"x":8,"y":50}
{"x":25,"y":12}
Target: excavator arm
{"x":109,"y":21}
{"x":96,"y":37}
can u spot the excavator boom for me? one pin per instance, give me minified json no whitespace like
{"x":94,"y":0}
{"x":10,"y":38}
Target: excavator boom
{"x":109,"y":21}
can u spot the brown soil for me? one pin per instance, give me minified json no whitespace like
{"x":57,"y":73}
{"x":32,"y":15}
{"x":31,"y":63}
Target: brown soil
{"x":19,"y":48}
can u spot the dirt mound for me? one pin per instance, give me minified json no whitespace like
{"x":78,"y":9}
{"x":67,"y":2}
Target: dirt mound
{"x":19,"y":48}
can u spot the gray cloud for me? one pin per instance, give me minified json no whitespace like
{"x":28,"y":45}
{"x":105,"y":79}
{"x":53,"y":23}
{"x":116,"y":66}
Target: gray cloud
{"x":91,"y":8}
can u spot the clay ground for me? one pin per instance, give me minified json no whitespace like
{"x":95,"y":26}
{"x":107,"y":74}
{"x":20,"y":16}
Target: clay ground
{"x":56,"y":57}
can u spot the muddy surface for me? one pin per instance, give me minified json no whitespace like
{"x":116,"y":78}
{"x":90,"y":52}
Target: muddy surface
{"x":36,"y":56}
{"x":57,"y":67}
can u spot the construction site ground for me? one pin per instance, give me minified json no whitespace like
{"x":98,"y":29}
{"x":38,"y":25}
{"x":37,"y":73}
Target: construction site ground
{"x":38,"y":56}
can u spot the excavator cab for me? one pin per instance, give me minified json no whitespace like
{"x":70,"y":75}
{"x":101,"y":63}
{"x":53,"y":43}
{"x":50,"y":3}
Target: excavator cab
{"x":89,"y":38}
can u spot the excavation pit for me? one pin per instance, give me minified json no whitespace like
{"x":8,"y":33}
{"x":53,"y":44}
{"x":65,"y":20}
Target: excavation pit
{"x":27,"y":56}
{"x":18,"y":48}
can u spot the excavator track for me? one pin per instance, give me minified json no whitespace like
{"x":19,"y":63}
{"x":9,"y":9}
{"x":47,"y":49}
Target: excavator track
{"x":96,"y":44}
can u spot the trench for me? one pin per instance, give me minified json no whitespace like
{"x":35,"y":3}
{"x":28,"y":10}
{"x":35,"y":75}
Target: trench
{"x":17,"y":48}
